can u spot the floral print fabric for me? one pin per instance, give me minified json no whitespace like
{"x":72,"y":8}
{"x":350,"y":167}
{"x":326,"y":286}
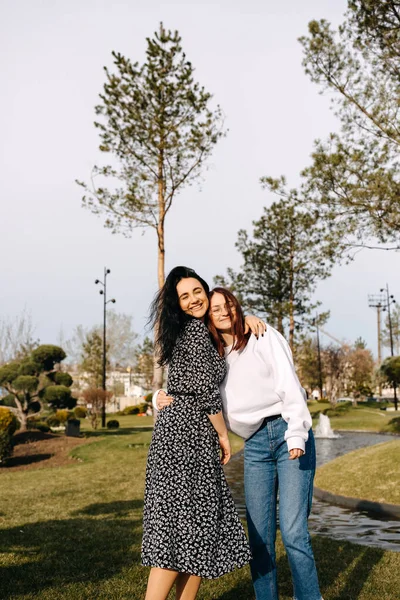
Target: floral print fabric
{"x":190,"y":521}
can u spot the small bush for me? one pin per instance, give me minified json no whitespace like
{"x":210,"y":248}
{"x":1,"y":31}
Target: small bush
{"x":113,"y":424}
{"x":394,"y":425}
{"x":8,"y":421}
{"x":6,"y":448}
{"x":63,"y":415}
{"x":52,"y":421}
{"x":41,"y":426}
{"x":80,"y":412}
{"x":129,"y":410}
{"x":340,"y":409}
{"x":142,"y":407}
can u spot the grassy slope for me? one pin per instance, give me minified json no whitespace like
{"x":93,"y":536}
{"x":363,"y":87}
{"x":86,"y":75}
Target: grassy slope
{"x":371,"y":473}
{"x":366,"y":417}
{"x":74,"y":533}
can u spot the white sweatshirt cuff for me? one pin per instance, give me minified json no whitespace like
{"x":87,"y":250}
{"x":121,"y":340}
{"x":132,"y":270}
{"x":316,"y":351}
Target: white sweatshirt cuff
{"x":296,"y":442}
{"x":154,"y":400}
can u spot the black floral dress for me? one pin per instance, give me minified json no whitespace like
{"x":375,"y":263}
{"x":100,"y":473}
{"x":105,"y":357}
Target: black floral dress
{"x":190,"y":522}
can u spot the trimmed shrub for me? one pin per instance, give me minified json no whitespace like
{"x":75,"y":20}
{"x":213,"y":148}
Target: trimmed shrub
{"x":8,"y":421}
{"x":52,"y":421}
{"x":63,"y":415}
{"x":6,"y":448}
{"x":63,"y":379}
{"x":41,"y":426}
{"x":8,"y":425}
{"x":395,"y":424}
{"x":80,"y":412}
{"x":141,"y":408}
{"x":113,"y":424}
{"x":129,"y":410}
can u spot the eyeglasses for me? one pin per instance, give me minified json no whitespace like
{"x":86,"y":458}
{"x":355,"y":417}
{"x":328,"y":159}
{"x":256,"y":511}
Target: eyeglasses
{"x":218,"y":310}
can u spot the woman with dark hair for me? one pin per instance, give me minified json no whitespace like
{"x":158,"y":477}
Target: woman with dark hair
{"x":191,"y":527}
{"x":264,"y":403}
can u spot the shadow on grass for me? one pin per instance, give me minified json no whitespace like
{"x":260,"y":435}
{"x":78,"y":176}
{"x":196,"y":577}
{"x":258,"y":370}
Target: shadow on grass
{"x":60,"y":552}
{"x":240,"y":591}
{"x":18,"y":461}
{"x":343,"y":569}
{"x":112,"y":432}
{"x":120,"y":508}
{"x":339,"y":564}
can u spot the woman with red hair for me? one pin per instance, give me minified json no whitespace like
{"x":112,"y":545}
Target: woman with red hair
{"x":264,"y":403}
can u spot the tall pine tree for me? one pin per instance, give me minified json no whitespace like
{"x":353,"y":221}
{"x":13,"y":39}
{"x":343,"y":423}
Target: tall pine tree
{"x":157,"y":124}
{"x":354,"y":177}
{"x":289,"y":251}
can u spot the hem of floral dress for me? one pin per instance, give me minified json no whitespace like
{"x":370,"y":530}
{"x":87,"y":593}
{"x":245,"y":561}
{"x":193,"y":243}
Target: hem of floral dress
{"x":160,"y":565}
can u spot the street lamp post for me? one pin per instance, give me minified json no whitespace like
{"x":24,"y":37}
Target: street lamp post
{"x":103,"y":292}
{"x":390,"y":300}
{"x":378,"y":302}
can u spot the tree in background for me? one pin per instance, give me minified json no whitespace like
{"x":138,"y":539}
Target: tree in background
{"x":92,"y":358}
{"x":144,"y":363}
{"x":360,"y":370}
{"x":395,"y":318}
{"x":17,"y":337}
{"x":335,"y":365}
{"x":354,"y":178}
{"x":289,"y":252}
{"x":157,"y":124}
{"x":121,"y":340}
{"x":35,"y":382}
{"x":307,"y":363}
{"x":390,"y":369}
{"x":95,"y":400}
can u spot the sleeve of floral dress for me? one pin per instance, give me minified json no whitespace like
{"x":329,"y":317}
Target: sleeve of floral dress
{"x":202,"y":360}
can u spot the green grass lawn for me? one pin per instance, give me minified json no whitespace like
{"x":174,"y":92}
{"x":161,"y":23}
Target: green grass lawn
{"x":74,"y":533}
{"x":125,"y":422}
{"x":364,"y":417}
{"x":371,"y":473}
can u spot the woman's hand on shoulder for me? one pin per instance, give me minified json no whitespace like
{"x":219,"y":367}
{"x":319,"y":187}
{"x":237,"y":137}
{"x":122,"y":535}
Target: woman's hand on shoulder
{"x":254,"y":324}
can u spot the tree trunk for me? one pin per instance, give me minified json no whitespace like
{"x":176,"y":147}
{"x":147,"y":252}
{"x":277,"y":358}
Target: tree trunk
{"x":280,"y":324}
{"x":291,"y":297}
{"x":158,"y":372}
{"x":291,"y":326}
{"x":21,"y":415}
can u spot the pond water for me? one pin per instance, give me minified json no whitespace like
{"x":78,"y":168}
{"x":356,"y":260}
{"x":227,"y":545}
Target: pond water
{"x":325,"y":519}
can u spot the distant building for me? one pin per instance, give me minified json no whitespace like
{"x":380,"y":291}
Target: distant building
{"x":128,"y":388}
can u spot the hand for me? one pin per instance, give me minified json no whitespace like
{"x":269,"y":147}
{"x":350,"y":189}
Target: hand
{"x":255,"y":325}
{"x":225,"y":449}
{"x":295,"y":453}
{"x":163,"y":400}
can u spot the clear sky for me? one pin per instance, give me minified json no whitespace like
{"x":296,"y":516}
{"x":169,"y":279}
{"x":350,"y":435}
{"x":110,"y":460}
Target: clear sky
{"x":246,"y":53}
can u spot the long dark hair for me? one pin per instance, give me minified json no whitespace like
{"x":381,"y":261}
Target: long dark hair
{"x":240,"y":338}
{"x":166,"y":316}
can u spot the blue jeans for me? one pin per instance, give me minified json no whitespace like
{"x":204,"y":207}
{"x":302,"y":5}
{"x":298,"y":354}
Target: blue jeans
{"x":267,"y":468}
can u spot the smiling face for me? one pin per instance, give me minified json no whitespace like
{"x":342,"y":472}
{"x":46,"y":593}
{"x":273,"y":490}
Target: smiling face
{"x":219,"y":312}
{"x":193,"y":299}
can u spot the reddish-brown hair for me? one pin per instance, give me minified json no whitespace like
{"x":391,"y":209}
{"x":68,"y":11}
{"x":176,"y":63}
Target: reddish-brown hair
{"x":236,"y":315}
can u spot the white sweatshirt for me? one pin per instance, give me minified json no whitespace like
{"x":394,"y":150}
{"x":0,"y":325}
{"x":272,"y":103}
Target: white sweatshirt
{"x":261,"y":381}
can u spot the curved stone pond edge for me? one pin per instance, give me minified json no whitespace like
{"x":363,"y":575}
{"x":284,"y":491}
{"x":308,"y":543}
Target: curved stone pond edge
{"x":380,"y":508}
